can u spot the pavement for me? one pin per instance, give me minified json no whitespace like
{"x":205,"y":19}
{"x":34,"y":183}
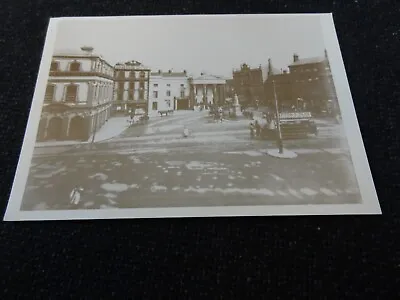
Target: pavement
{"x":217,"y":165}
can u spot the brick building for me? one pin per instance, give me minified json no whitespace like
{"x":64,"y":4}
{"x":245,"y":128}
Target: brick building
{"x":131,"y":86}
{"x":308,"y":84}
{"x":248,"y":85}
{"x":78,"y":96}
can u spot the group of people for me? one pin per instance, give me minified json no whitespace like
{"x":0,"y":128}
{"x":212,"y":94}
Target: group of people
{"x":255,"y":129}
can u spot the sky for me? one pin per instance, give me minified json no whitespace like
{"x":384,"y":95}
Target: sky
{"x":211,"y":44}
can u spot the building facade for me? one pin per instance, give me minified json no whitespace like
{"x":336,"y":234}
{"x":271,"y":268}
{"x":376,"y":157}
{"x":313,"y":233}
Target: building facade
{"x":208,"y":90}
{"x":131,"y":87}
{"x":307,"y":85}
{"x":169,"y":91}
{"x":249,"y":85}
{"x":78,"y":96}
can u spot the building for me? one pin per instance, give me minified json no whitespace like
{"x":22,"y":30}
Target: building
{"x":169,"y":91}
{"x":308,"y":84}
{"x":208,"y":90}
{"x":78,"y":96}
{"x":131,"y":87}
{"x":249,"y":85}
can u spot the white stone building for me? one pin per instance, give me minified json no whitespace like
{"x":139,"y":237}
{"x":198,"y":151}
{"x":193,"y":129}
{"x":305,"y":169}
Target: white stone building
{"x":78,"y":96}
{"x":169,"y":91}
{"x":209,"y":90}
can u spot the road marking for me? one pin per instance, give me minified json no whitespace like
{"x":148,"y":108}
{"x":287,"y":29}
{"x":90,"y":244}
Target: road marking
{"x":327,"y":192}
{"x":295,"y":193}
{"x":308,"y":192}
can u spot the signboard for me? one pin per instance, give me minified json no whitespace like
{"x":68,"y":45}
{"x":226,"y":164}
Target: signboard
{"x":295,"y":115}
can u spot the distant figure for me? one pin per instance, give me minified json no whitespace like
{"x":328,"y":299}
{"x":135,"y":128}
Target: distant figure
{"x":185,"y":132}
{"x":258,"y":128}
{"x":251,"y":130}
{"x":75,"y":195}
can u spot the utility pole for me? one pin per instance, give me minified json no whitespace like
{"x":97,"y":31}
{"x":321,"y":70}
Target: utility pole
{"x":94,"y":129}
{"x":279,"y":138}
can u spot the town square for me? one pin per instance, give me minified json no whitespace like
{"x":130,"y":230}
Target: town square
{"x":127,"y":133}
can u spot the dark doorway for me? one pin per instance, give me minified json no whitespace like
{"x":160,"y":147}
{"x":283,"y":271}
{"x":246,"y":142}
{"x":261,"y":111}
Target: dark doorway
{"x":54,"y":130}
{"x":182,"y":104}
{"x":77,"y":129}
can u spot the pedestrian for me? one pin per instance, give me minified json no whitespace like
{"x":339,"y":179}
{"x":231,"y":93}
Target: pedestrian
{"x":258,"y":128}
{"x":251,"y":130}
{"x":185,"y":132}
{"x":75,"y":195}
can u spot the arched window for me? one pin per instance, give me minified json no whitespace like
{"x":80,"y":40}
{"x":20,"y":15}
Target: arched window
{"x":71,"y":93}
{"x":49,"y":95}
{"x":75,"y":66}
{"x":54,"y":66}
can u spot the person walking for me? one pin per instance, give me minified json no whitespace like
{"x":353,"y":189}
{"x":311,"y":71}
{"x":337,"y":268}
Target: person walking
{"x":251,"y":130}
{"x":258,"y":128}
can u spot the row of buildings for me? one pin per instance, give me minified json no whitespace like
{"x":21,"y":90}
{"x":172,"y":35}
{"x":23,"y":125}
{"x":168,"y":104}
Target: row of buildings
{"x":84,"y":90}
{"x":306,"y":84}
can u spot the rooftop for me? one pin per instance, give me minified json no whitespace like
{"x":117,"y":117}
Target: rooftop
{"x":306,"y":61}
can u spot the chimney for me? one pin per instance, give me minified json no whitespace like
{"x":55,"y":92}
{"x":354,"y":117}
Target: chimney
{"x":169,"y":71}
{"x":201,"y":74}
{"x":270,"y":72}
{"x":88,"y":50}
{"x":295,"y":57}
{"x":159,"y":71}
{"x":184,"y":72}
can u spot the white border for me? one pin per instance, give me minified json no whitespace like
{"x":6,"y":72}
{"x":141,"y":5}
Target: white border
{"x":369,"y":205}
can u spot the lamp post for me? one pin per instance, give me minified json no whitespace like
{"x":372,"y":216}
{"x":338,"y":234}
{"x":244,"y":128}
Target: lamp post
{"x":279,"y":138}
{"x":95,"y":119}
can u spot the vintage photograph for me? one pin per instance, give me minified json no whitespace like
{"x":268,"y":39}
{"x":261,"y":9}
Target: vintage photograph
{"x":242,"y":113}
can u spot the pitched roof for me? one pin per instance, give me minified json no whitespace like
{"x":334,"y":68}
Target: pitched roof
{"x":310,"y":60}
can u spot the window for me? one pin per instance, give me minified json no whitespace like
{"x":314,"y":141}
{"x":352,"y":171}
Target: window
{"x":168,"y":93}
{"x":155,"y":94}
{"x":54,"y":66}
{"x":71,"y":93}
{"x":154,"y":105}
{"x":155,"y":85}
{"x":182,"y":94}
{"x":49,"y":96}
{"x":168,"y":102}
{"x":75,"y":66}
{"x":182,"y":85}
{"x":168,"y":84}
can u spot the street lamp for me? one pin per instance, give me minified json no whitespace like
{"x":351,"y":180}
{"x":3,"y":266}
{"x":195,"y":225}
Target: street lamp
{"x":279,"y":138}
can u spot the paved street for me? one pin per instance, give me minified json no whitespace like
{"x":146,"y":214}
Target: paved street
{"x":154,"y":166}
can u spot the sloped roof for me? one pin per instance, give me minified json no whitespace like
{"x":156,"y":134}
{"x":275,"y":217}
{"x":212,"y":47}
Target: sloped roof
{"x":310,"y":60}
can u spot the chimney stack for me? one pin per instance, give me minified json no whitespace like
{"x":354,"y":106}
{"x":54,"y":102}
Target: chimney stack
{"x":295,"y":57}
{"x":88,"y":50}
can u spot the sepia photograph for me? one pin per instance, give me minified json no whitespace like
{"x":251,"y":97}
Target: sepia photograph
{"x":191,"y":116}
